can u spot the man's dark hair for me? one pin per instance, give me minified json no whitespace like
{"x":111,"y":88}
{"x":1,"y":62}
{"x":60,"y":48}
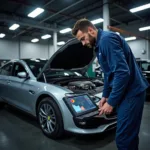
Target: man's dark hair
{"x":82,"y":25}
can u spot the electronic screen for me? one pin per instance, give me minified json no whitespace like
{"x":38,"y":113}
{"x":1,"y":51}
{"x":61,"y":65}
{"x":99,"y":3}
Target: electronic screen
{"x":81,"y":103}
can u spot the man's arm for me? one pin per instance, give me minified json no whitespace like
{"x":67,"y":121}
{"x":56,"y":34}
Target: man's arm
{"x":106,"y":90}
{"x":111,"y":48}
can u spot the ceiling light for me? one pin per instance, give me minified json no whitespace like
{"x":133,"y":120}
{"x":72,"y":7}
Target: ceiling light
{"x":14,"y":27}
{"x":61,"y":43}
{"x":34,"y":40}
{"x":35,"y":12}
{"x":47,"y":36}
{"x":130,"y":38}
{"x":97,"y":21}
{"x":144,"y":28}
{"x":133,"y":10}
{"x":2,"y":35}
{"x":65,"y":30}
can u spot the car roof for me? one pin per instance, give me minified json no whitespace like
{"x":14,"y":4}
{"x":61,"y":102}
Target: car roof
{"x":26,"y":59}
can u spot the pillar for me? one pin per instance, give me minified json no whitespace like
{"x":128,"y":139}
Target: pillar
{"x":106,"y":16}
{"x":55,"y":40}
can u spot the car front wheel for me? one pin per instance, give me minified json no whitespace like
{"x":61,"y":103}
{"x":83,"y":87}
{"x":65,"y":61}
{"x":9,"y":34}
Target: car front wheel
{"x":50,"y":118}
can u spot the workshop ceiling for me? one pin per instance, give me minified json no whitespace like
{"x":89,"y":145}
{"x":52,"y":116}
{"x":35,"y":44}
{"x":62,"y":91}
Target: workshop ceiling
{"x":60,"y":14}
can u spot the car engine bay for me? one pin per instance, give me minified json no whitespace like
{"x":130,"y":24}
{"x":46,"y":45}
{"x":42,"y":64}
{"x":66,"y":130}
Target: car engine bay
{"x":81,"y":85}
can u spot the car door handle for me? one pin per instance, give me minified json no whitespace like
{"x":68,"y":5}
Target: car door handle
{"x":31,"y":92}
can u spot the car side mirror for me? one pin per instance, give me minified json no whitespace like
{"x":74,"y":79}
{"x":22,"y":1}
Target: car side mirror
{"x":23,"y":75}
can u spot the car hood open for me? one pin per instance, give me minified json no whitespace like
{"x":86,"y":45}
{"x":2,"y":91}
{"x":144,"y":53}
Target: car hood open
{"x":71,"y":56}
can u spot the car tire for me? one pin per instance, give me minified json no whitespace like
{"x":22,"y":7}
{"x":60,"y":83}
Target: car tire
{"x":50,"y":118}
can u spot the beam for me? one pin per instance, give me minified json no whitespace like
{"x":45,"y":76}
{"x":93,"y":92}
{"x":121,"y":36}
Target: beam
{"x":49,"y":16}
{"x":95,"y":6}
{"x":115,"y":29}
{"x":49,"y":2}
{"x":77,"y":14}
{"x":74,"y":4}
{"x":27,"y":22}
{"x":119,"y":22}
{"x":127,"y":11}
{"x":48,"y":10}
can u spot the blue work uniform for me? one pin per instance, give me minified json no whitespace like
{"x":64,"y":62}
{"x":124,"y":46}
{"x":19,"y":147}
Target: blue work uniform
{"x":124,"y":86}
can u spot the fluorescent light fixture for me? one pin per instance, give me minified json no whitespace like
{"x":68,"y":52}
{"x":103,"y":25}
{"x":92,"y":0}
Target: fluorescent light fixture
{"x":34,"y":40}
{"x":47,"y":36}
{"x":14,"y":27}
{"x":2,"y":35}
{"x":130,"y":38}
{"x":65,"y":30}
{"x":35,"y":12}
{"x":61,"y":43}
{"x":144,"y":28}
{"x":146,"y":6}
{"x":97,"y":21}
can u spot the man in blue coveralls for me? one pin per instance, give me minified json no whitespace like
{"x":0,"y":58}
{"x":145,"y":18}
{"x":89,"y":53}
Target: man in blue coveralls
{"x":124,"y":85}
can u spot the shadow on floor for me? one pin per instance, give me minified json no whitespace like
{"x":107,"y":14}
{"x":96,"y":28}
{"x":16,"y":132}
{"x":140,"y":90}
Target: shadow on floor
{"x":82,"y":142}
{"x":88,"y":142}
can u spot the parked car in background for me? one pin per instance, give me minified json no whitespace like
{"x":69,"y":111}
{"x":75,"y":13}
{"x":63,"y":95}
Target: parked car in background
{"x":3,"y":61}
{"x":41,"y":88}
{"x":144,"y":65}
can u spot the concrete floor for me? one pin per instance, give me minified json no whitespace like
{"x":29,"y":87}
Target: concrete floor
{"x":18,"y":131}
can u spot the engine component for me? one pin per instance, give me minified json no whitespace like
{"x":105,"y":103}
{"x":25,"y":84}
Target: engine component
{"x":84,"y":85}
{"x":98,"y":82}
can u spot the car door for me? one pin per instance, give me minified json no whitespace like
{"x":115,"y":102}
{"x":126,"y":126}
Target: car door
{"x":5,"y":72}
{"x":21,"y":90}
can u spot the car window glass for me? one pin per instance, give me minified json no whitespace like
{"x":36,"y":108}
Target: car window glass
{"x":7,"y":69}
{"x":35,"y":65}
{"x":18,"y":68}
{"x":146,"y":66}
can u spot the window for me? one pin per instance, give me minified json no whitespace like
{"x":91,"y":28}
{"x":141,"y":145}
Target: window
{"x":7,"y":69}
{"x":35,"y":65}
{"x":18,"y":68}
{"x":146,"y":66}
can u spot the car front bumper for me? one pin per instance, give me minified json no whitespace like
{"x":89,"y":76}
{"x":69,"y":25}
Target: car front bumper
{"x":100,"y":129}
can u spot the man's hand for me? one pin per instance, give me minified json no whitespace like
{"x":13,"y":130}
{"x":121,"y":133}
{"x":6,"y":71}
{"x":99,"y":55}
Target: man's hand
{"x":102,"y":102}
{"x":105,"y":109}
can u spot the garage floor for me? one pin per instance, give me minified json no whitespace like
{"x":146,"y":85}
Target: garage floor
{"x":18,"y":131}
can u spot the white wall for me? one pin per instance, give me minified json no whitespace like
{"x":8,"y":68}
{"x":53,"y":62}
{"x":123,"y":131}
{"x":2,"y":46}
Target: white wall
{"x":10,"y":49}
{"x":33,"y":50}
{"x":140,"y":44}
{"x":137,"y":46}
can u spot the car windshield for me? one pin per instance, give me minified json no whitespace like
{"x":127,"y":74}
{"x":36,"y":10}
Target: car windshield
{"x":145,"y":66}
{"x":63,"y":73}
{"x":35,"y":65}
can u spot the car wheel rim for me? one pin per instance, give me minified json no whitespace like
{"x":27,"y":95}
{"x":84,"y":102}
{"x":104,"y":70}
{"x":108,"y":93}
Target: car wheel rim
{"x":47,"y":118}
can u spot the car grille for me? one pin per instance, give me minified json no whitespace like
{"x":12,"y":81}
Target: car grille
{"x":112,"y":115}
{"x":94,"y":122}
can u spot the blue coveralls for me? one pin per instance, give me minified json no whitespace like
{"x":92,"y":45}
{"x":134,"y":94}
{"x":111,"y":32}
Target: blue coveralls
{"x":124,"y":86}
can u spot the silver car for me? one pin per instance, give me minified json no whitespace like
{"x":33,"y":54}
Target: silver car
{"x":41,"y":88}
